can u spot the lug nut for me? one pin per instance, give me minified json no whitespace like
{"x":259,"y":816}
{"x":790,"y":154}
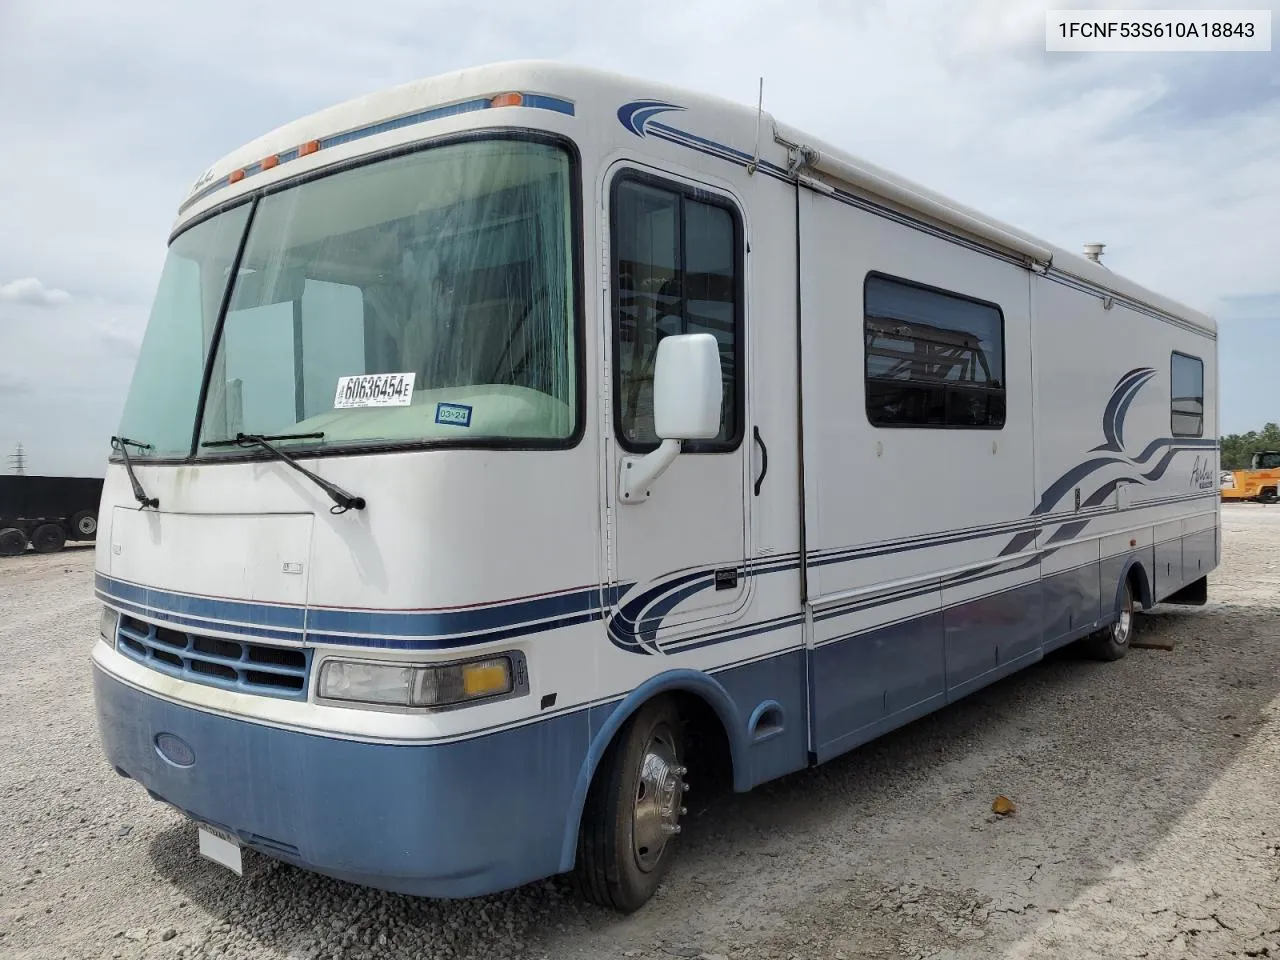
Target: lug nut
{"x":684,"y":811}
{"x":681,"y":771}
{"x":671,"y":829}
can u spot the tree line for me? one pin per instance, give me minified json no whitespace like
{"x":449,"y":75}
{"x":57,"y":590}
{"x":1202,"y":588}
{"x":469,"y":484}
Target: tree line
{"x":1238,"y":448}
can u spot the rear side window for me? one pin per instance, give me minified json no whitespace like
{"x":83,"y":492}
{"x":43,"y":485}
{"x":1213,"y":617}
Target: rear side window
{"x":1186,"y":400}
{"x":933,"y":358}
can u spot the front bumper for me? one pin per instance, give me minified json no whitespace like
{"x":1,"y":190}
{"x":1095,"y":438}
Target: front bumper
{"x":456,"y":819}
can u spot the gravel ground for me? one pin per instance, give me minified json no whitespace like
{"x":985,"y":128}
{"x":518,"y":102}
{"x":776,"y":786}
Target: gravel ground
{"x":1147,"y":821}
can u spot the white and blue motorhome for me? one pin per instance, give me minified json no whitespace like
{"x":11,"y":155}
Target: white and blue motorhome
{"x":508,"y":447}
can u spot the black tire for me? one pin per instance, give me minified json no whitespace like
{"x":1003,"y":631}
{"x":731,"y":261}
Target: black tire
{"x":48,"y":538}
{"x":611,"y":871}
{"x":13,"y":542}
{"x":84,"y":525}
{"x":1112,"y":643}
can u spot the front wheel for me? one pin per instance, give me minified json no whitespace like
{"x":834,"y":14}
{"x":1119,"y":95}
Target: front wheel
{"x":1112,"y":643}
{"x":627,"y":839}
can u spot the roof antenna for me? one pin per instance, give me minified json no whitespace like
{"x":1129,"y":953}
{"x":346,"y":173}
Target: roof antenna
{"x":755,"y":159}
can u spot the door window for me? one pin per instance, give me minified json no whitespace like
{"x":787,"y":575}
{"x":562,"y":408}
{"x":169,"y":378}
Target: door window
{"x":676,"y":268}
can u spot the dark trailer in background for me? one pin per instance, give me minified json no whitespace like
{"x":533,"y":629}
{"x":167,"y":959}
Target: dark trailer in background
{"x":46,"y":512}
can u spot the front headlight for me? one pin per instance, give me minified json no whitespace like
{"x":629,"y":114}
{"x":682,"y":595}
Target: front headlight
{"x":108,"y":622}
{"x":412,"y":685}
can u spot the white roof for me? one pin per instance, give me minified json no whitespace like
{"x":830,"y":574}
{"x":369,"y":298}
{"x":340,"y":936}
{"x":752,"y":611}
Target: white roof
{"x":598,"y":94}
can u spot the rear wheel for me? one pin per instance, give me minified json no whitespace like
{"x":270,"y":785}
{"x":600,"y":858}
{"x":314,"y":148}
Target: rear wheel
{"x":85,"y":524}
{"x":12,"y":542}
{"x":627,"y":839}
{"x":48,"y":538}
{"x":1112,"y":643}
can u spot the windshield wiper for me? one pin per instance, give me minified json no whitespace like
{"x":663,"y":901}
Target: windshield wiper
{"x":123,"y":444}
{"x":343,"y":501}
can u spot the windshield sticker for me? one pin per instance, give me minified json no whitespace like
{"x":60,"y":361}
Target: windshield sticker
{"x":453,"y":414}
{"x":374,"y":390}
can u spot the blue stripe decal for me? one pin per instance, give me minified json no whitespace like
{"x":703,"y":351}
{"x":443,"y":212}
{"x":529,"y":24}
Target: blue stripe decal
{"x":532,"y":101}
{"x":169,"y":619}
{"x":453,"y":643}
{"x":205,"y":608}
{"x":451,"y":622}
{"x":632,"y":628}
{"x":407,"y":629}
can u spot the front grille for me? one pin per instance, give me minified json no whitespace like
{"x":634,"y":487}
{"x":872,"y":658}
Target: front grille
{"x":244,"y":665}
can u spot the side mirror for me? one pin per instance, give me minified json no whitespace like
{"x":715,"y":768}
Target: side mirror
{"x":687,"y":395}
{"x":687,"y":388}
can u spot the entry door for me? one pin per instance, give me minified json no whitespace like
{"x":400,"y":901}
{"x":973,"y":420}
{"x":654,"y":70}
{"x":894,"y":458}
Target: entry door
{"x":676,"y":265}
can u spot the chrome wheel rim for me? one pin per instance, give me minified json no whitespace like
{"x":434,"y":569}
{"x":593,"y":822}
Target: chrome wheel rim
{"x":656,"y":809}
{"x":1120,"y":629}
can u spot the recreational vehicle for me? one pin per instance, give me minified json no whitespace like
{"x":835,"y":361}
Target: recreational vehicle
{"x":509,"y":448}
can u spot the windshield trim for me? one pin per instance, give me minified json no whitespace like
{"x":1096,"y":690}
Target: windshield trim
{"x":196,"y":454}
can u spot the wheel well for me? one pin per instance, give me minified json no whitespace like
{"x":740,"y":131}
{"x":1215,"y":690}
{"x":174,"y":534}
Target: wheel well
{"x":1141,"y":586}
{"x":710,"y":760}
{"x":703,"y":707}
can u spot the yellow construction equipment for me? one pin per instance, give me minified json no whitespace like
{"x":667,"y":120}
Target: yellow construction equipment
{"x":1259,"y":483}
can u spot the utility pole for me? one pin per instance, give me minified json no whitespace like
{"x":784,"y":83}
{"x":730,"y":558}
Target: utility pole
{"x":18,"y":461}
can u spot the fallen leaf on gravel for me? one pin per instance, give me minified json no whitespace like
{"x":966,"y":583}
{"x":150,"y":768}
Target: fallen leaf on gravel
{"x":1003,"y":806}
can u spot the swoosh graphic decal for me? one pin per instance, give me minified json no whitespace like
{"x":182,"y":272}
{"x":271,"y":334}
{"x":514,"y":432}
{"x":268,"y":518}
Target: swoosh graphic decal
{"x":1122,"y":395}
{"x":636,"y":114}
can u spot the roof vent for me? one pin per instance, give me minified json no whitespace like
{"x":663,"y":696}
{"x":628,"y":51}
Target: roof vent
{"x":1093,"y":251}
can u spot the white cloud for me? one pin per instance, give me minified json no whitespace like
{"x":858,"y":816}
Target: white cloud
{"x":1171,"y":160}
{"x":31,"y":291}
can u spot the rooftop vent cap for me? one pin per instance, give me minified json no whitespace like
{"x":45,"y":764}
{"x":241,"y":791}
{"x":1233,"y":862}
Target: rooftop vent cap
{"x":1093,"y":251}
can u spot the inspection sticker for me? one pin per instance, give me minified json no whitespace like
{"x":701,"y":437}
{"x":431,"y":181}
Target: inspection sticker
{"x":453,"y":414}
{"x":374,"y":390}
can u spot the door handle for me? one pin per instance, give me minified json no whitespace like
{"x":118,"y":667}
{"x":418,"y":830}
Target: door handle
{"x":764,"y":458}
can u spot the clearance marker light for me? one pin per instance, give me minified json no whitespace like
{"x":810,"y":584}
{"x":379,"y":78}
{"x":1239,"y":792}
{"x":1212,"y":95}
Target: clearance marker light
{"x":510,"y":98}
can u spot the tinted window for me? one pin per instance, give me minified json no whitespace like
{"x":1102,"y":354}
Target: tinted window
{"x":933,"y":359}
{"x":1187,"y":396}
{"x":161,"y":406}
{"x":675,"y":270}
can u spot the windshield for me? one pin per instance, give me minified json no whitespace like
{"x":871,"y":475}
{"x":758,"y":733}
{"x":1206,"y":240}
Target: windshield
{"x":160,"y":410}
{"x":424,"y":297}
{"x":1269,"y":460}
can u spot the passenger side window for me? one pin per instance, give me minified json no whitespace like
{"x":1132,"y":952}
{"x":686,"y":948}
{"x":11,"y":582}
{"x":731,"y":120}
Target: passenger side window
{"x":933,"y":359}
{"x":1186,"y":396}
{"x":676,"y":269}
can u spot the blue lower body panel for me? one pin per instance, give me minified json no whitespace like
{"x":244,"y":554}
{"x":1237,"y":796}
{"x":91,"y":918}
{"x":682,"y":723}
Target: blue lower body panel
{"x":392,"y":817}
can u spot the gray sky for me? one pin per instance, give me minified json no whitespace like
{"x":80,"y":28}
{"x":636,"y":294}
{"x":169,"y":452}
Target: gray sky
{"x":110,"y":111}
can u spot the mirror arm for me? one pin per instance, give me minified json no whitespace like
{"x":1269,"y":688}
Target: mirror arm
{"x":638,"y":473}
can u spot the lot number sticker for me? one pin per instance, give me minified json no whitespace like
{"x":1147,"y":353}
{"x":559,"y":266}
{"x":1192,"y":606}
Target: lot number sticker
{"x":374,"y":390}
